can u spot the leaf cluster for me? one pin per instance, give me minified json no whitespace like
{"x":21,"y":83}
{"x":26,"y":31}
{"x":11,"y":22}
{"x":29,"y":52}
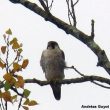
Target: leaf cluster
{"x":12,"y":78}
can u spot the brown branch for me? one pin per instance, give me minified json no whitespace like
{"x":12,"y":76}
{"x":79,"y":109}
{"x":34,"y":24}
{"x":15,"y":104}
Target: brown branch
{"x":67,"y":81}
{"x":96,"y":83}
{"x":88,"y":40}
{"x":70,"y":81}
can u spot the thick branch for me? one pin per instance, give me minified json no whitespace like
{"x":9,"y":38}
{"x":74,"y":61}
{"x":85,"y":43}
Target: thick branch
{"x":69,"y":81}
{"x":88,"y":40}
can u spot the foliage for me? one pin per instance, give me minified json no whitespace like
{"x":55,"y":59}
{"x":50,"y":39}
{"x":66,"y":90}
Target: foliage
{"x":12,"y":80}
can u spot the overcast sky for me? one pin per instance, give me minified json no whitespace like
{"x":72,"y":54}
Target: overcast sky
{"x":34,"y":32}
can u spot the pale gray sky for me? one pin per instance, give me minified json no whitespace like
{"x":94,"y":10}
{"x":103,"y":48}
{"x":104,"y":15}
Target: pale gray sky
{"x":34,"y":32}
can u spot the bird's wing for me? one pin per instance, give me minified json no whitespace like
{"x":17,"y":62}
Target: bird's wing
{"x":63,"y":55}
{"x":42,"y":62}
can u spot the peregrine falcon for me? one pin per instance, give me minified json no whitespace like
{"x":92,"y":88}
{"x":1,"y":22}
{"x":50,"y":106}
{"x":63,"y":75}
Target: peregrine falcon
{"x":53,"y":64}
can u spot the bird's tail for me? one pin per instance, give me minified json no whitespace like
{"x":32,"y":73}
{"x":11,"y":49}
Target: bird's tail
{"x":56,"y":90}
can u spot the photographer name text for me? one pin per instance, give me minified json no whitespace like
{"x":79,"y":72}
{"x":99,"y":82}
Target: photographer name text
{"x":95,"y":106}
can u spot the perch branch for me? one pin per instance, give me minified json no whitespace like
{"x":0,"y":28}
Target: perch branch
{"x":73,"y":80}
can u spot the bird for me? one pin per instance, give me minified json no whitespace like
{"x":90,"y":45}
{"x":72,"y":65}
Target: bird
{"x":53,"y":65}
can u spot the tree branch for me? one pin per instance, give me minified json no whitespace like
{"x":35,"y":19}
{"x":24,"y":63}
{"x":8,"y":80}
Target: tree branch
{"x":88,"y":40}
{"x":92,"y":28}
{"x":69,"y":81}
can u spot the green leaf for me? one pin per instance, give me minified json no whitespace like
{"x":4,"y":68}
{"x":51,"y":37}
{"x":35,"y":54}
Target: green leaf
{"x":14,"y":97}
{"x":9,"y":32}
{"x":26,"y":102}
{"x":26,"y":93}
{"x":7,"y":86}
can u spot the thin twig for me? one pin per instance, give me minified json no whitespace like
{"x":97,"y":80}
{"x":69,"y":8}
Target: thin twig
{"x":44,"y":6}
{"x":20,"y":103}
{"x":16,"y":91}
{"x":0,"y":107}
{"x":96,"y":83}
{"x":2,"y":104}
{"x":76,"y":2}
{"x":69,"y":12}
{"x":7,"y":55}
{"x":6,"y":105}
{"x":107,"y":87}
{"x":72,"y":67}
{"x":92,"y":29}
{"x":50,"y":7}
{"x":73,"y":12}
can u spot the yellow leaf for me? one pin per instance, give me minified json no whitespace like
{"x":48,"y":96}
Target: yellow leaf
{"x":7,"y":96}
{"x":25,"y":63}
{"x":3,"y":49}
{"x":2,"y":65}
{"x":13,"y":41}
{"x":0,"y":94}
{"x":25,"y":108}
{"x":20,"y":82}
{"x":16,"y":67}
{"x":15,"y":45}
{"x":9,"y":32}
{"x":32,"y":103}
{"x":8,"y":77}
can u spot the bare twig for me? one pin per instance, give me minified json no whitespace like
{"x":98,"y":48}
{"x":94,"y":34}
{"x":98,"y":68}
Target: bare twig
{"x":50,"y":7}
{"x":71,"y":12}
{"x":107,"y":87}
{"x":20,"y":103}
{"x":1,"y":107}
{"x":6,"y":105}
{"x":16,"y":91}
{"x":92,"y":29}
{"x":44,"y":6}
{"x":2,"y":104}
{"x":72,"y":67}
{"x":7,"y":55}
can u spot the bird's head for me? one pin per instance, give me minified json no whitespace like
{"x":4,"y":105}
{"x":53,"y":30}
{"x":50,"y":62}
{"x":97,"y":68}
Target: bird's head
{"x":52,"y":45}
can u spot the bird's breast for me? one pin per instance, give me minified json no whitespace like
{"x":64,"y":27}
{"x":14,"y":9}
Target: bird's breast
{"x":54,"y":65}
